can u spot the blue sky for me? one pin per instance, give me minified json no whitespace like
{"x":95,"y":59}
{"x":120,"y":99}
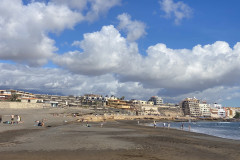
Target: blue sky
{"x":136,"y":48}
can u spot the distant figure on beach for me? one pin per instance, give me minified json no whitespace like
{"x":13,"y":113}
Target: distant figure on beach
{"x":18,"y":119}
{"x":41,"y":124}
{"x":0,"y":118}
{"x":164,"y":125}
{"x":182,"y":126}
{"x":138,"y":121}
{"x":189,"y":127}
{"x":101,"y":124}
{"x":168,"y":125}
{"x":12,"y":119}
{"x":154,"y":124}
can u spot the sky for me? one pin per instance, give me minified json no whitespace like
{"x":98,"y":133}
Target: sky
{"x":133,"y":48}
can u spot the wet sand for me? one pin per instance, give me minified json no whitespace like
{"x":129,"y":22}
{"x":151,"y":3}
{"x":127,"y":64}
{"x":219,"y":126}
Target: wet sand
{"x":115,"y":140}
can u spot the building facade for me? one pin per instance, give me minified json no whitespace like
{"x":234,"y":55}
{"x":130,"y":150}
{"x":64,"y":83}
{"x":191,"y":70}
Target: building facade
{"x":156,"y":100}
{"x":204,"y":109}
{"x":190,"y":106}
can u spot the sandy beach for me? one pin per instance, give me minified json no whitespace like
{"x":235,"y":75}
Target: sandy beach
{"x":64,"y":137}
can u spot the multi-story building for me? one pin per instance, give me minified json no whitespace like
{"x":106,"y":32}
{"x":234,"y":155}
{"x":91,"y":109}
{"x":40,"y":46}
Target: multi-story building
{"x":204,"y":109}
{"x":156,"y":100}
{"x":190,"y":106}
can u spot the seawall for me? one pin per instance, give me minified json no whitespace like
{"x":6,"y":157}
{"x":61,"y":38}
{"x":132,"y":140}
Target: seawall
{"x":21,"y":105}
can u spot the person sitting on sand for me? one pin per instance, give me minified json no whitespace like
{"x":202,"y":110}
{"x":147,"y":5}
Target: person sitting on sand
{"x":41,"y":124}
{"x":12,"y":119}
{"x":18,"y":119}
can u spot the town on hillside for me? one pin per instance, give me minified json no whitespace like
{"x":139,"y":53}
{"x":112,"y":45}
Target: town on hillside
{"x":155,"y":106}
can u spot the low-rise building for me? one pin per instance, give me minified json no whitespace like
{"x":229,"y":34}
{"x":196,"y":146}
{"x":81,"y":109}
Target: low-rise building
{"x":149,"y":110}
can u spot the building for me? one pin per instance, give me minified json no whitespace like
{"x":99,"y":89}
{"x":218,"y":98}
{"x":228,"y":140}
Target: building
{"x":204,"y":109}
{"x":149,"y":110}
{"x":5,"y":94}
{"x":117,"y":103}
{"x":217,"y":111}
{"x":190,"y":106}
{"x":156,"y":100}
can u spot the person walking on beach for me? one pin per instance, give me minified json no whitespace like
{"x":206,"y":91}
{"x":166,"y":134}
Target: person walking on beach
{"x":168,"y":125}
{"x":154,"y":124}
{"x":182,"y":126}
{"x":164,"y":125}
{"x":0,"y":118}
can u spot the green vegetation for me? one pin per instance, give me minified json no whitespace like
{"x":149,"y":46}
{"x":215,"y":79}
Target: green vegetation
{"x":14,"y":98}
{"x":237,"y":115}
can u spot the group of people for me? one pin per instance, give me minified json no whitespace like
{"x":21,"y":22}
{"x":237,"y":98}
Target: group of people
{"x":164,"y":125}
{"x":40,"y":123}
{"x":12,"y":119}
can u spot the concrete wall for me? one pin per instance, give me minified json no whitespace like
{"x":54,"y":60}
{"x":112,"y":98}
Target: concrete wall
{"x":20,"y":105}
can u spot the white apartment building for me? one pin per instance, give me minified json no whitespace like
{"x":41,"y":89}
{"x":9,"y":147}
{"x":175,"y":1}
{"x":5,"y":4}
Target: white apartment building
{"x":204,"y":109}
{"x":156,"y":100}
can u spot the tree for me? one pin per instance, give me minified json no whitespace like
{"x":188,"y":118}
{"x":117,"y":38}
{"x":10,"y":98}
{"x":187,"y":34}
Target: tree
{"x":122,"y":98}
{"x":13,"y":97}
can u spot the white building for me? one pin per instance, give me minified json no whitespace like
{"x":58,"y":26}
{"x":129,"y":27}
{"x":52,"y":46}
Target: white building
{"x":157,"y":100}
{"x":204,"y":109}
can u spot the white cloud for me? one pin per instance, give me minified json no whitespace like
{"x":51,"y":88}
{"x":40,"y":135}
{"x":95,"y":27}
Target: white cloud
{"x":103,"y":52}
{"x":171,"y":71}
{"x":57,"y":81}
{"x":91,"y":9}
{"x":217,"y":94}
{"x":79,"y":5}
{"x":24,"y":30}
{"x":100,"y":7}
{"x":134,"y":29}
{"x":178,"y":10}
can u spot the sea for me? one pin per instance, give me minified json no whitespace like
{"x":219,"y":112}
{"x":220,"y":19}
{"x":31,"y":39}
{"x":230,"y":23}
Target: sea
{"x":229,"y":130}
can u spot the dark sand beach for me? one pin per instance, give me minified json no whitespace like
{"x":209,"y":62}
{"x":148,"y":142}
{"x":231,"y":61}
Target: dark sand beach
{"x":115,"y":140}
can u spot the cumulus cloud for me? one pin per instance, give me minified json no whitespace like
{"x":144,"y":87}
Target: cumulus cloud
{"x":178,"y":10}
{"x":24,"y":29}
{"x":134,"y":29}
{"x":99,"y":7}
{"x":74,"y":4}
{"x":91,"y":9}
{"x":172,"y":71}
{"x":103,"y":52}
{"x":184,"y":71}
